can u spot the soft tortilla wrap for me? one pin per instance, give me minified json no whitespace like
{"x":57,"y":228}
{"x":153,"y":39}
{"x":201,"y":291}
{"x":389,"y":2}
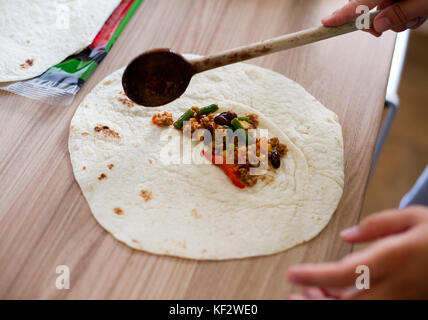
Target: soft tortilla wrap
{"x":38,"y":34}
{"x":193,"y":211}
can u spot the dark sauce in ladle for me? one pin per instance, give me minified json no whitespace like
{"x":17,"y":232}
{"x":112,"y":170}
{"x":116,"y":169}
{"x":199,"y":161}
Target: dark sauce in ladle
{"x":157,"y":77}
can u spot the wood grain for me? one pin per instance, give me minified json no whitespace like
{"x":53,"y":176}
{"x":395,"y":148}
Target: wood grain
{"x":272,"y":45}
{"x":45,"y":221}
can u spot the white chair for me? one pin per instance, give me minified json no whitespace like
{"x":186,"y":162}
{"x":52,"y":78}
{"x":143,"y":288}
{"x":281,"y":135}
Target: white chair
{"x":419,"y":192}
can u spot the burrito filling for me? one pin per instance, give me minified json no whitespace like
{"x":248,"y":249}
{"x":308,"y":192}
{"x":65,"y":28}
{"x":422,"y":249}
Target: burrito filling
{"x":234,"y":130}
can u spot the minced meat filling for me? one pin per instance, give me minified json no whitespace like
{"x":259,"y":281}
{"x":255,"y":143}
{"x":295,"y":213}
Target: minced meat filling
{"x":246,"y":177}
{"x":238,"y":172}
{"x":253,"y":119}
{"x":163,"y":119}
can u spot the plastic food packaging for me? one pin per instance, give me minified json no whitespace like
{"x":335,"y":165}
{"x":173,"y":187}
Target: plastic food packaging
{"x":59,"y":84}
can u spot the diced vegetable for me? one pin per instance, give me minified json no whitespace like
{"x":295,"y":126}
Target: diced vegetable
{"x":244,"y":119}
{"x":238,"y":125}
{"x":245,"y":125}
{"x":185,"y":117}
{"x":229,"y":169}
{"x":208,"y":109}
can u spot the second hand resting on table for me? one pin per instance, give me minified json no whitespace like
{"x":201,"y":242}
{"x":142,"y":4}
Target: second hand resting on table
{"x":398,"y":260}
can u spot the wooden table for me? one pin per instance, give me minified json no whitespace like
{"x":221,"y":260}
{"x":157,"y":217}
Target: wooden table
{"x":45,"y":221}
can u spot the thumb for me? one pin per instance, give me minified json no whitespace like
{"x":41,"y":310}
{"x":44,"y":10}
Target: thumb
{"x":400,"y":14}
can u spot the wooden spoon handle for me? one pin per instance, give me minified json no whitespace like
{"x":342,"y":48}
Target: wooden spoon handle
{"x":280,"y":43}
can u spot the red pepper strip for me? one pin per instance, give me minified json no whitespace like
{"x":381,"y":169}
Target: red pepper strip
{"x":230,"y":170}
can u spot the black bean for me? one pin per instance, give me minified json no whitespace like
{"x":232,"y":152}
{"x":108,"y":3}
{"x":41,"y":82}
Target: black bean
{"x":275,"y":160}
{"x":230,"y":115}
{"x":221,"y":120}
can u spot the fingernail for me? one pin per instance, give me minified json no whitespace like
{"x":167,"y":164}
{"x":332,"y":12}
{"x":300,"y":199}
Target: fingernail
{"x":328,"y":17}
{"x":382,"y":24}
{"x":350,"y":232}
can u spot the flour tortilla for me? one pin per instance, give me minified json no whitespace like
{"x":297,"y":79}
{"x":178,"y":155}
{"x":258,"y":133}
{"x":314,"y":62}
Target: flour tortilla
{"x":194,"y":211}
{"x":29,"y":32}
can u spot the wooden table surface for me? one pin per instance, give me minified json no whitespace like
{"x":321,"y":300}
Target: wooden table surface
{"x":45,"y":221}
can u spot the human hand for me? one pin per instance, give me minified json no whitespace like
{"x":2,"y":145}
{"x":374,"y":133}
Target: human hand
{"x":398,"y":262}
{"x":396,"y":15}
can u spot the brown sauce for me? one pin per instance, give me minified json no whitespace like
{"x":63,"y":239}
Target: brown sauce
{"x":156,"y":77}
